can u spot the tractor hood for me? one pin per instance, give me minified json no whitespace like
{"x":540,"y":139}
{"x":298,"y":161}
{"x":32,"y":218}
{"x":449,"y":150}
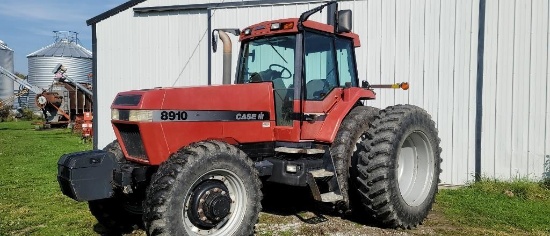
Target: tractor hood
{"x":239,"y":97}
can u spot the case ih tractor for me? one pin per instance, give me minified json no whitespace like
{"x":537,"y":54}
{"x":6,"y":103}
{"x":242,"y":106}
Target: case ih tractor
{"x":191,"y":161}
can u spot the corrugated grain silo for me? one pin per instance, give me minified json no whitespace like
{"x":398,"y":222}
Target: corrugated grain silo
{"x":65,"y":50}
{"x":6,"y":61}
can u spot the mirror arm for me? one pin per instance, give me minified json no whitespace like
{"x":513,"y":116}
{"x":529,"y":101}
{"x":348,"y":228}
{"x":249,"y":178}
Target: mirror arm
{"x":307,"y":14}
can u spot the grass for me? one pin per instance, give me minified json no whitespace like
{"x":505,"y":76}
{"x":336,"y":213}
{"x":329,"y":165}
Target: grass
{"x":32,"y":204}
{"x":30,"y":199}
{"x":495,"y":207}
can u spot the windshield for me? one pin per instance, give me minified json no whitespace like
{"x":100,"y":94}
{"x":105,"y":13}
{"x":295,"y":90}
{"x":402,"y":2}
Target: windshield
{"x":268,"y":59}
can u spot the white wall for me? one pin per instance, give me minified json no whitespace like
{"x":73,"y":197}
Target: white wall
{"x":516,"y":91}
{"x":432,"y":44}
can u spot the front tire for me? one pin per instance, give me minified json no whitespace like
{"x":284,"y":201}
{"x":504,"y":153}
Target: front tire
{"x":399,"y":167}
{"x":207,"y":188}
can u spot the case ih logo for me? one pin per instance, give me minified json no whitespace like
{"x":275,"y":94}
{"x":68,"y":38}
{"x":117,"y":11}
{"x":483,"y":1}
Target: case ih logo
{"x":250,"y":116}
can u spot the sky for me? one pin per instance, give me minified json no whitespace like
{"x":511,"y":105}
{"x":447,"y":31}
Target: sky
{"x":27,"y":25}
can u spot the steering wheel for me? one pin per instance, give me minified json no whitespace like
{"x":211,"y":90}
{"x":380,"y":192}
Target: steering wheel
{"x":284,"y":69}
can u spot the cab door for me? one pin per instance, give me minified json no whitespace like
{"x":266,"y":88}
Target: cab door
{"x":329,"y":63}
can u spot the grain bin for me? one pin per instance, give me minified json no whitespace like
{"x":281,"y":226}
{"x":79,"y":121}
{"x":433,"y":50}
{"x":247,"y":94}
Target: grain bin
{"x":65,"y":50}
{"x":6,"y":61}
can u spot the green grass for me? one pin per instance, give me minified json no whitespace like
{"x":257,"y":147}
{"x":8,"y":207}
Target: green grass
{"x":518,"y":207}
{"x":30,"y":199}
{"x":31,"y":202}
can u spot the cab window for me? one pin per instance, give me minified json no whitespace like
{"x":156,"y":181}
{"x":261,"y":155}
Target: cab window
{"x":320,"y":65}
{"x":346,"y":64}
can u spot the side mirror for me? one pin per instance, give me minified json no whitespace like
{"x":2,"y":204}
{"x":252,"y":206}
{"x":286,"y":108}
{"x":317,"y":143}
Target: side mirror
{"x":235,"y":32}
{"x":344,"y":21}
{"x":214,"y":41}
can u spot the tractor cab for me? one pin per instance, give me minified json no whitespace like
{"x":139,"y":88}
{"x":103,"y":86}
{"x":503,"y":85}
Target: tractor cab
{"x":310,"y":64}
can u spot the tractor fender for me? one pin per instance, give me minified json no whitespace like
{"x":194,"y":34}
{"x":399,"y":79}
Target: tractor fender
{"x":351,"y":97}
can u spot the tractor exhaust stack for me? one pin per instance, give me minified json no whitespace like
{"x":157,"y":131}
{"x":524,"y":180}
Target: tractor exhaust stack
{"x":226,"y":56}
{"x":227,"y":47}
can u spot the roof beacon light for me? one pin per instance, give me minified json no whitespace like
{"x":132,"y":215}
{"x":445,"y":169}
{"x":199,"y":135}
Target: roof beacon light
{"x":275,"y":26}
{"x":282,"y":26}
{"x":247,"y":31}
{"x":288,"y":25}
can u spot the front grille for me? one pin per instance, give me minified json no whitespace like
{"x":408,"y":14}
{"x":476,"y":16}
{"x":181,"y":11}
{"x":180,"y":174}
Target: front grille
{"x":131,"y":137}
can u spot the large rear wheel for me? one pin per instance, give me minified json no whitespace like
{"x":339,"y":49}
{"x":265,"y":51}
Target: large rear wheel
{"x":399,"y":167}
{"x":208,"y":188}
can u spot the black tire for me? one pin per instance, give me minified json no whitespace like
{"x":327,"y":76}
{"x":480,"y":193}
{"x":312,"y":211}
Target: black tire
{"x":344,"y":148}
{"x":402,"y":134}
{"x":113,"y":212}
{"x":181,"y":184}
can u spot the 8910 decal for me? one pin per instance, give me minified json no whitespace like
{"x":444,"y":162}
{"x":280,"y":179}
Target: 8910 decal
{"x":173,"y":115}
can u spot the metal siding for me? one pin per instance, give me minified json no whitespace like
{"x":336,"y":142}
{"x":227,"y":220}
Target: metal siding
{"x":515,"y":100}
{"x":546,"y":165}
{"x":446,"y":77}
{"x":373,"y":44}
{"x":504,"y":91}
{"x":520,"y":93}
{"x":403,"y":51}
{"x":431,"y":66}
{"x":417,"y":37}
{"x":461,"y":85}
{"x":489,"y":89}
{"x":387,"y":57}
{"x":537,"y":87}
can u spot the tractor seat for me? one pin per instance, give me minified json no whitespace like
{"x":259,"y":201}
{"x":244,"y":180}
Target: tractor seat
{"x":316,"y":89}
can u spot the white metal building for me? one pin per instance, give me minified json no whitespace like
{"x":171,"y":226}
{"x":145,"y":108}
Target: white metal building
{"x":480,"y":67}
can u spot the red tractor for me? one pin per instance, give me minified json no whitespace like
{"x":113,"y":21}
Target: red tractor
{"x":191,"y":161}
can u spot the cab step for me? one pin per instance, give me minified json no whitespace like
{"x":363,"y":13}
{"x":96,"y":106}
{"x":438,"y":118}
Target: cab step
{"x":321,"y":173}
{"x":315,"y":177}
{"x":331,"y":197}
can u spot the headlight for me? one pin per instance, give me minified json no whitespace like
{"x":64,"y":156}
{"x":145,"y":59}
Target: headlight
{"x":132,"y":115}
{"x":140,"y":115}
{"x":114,"y":114}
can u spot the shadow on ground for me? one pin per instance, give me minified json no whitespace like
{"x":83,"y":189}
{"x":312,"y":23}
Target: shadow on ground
{"x":284,"y":200}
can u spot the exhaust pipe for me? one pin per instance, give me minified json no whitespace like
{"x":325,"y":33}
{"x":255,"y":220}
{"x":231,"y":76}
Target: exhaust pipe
{"x":222,"y":34}
{"x":226,"y":56}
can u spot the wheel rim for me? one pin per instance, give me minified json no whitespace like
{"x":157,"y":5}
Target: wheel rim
{"x":208,"y":197}
{"x":415,"y":168}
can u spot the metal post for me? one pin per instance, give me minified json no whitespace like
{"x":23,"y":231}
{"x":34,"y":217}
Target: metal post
{"x":479,"y":89}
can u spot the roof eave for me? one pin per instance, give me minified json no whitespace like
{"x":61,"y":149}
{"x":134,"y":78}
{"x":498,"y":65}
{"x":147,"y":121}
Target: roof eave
{"x":114,"y":11}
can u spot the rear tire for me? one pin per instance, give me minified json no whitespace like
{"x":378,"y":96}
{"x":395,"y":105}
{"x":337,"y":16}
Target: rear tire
{"x":344,"y":149}
{"x":207,"y":188}
{"x":399,"y":167}
{"x":112,"y":213}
